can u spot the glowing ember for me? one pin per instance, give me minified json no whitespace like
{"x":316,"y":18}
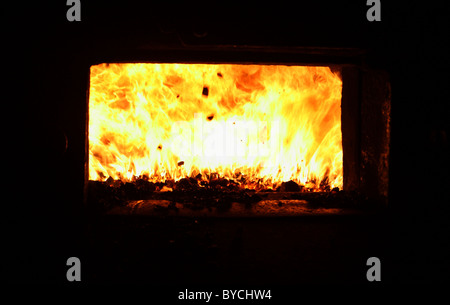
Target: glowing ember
{"x":258,"y":125}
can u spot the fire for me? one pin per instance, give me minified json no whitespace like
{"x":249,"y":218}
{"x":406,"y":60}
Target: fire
{"x":259,"y":125}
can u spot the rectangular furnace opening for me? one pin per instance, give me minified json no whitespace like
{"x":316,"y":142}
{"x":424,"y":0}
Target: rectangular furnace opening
{"x":231,"y":126}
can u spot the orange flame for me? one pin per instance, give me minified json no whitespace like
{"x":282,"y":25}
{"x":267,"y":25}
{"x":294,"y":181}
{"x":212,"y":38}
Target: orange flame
{"x":264,"y":123}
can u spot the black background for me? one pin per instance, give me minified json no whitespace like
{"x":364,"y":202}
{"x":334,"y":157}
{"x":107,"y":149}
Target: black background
{"x":42,"y":214}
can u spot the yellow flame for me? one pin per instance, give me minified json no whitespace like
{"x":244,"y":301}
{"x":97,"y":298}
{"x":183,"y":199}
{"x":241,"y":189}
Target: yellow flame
{"x":267,"y":123}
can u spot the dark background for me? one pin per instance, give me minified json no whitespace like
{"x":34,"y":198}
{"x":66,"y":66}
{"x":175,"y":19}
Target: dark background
{"x":44,"y":222}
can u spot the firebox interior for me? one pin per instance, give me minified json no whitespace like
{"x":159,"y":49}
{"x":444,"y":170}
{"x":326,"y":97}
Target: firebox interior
{"x":230,"y":126}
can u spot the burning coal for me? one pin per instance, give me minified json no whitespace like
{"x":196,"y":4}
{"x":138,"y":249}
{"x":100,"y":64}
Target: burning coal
{"x":256,"y":125}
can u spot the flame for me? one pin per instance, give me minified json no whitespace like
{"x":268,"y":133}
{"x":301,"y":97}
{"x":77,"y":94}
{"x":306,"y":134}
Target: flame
{"x":259,"y":125}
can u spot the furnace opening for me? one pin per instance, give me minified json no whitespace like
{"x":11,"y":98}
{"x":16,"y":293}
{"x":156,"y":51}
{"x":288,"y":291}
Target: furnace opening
{"x":231,"y":126}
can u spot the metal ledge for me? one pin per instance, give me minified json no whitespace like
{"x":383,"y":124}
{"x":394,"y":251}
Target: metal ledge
{"x":264,"y":208}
